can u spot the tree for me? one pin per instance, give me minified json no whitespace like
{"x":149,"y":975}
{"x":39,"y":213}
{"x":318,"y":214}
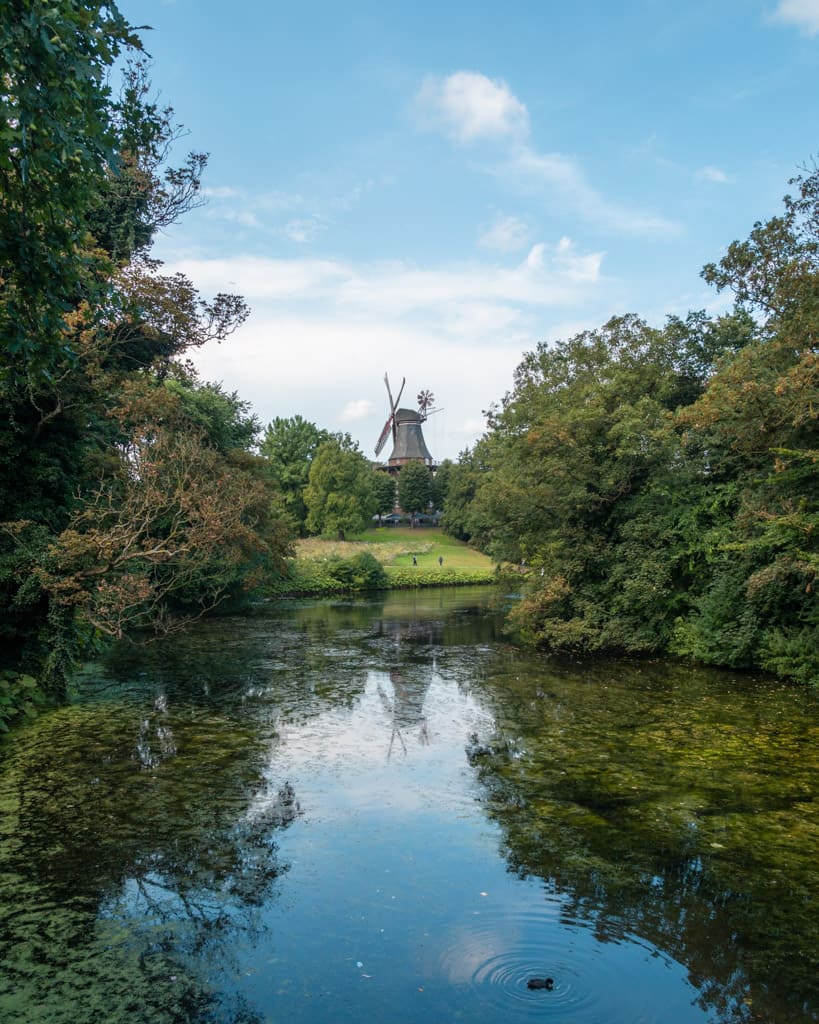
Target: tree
{"x":441,"y":482}
{"x":224,"y":420}
{"x":757,"y":428}
{"x":177,"y":530}
{"x":465,"y":479}
{"x":290,"y":445}
{"x":99,"y":414}
{"x":414,"y":487}
{"x":583,"y":477}
{"x":339,"y":494}
{"x":384,"y":491}
{"x":664,"y":480}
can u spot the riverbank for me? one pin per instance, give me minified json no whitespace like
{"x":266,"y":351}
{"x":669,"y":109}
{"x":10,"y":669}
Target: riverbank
{"x":386,"y":558}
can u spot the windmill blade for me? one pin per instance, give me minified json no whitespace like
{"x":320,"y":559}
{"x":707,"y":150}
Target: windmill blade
{"x":385,"y":433}
{"x":394,"y":424}
{"x":393,"y":405}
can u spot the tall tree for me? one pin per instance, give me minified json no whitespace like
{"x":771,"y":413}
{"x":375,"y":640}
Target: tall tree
{"x":757,"y":428}
{"x":57,"y":136}
{"x":339,"y":495}
{"x":99,"y":415}
{"x":289,"y":445}
{"x":384,"y":491}
{"x":414,"y":487}
{"x":581,"y":468}
{"x":441,"y":482}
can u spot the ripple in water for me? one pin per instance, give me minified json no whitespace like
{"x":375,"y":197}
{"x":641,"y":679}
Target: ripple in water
{"x":497,"y":954}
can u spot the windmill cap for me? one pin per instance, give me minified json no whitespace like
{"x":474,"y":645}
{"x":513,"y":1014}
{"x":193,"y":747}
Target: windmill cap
{"x":408,"y":416}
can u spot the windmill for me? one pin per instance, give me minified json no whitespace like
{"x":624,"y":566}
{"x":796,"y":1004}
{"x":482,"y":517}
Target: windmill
{"x":405,"y":427}
{"x":390,"y":424}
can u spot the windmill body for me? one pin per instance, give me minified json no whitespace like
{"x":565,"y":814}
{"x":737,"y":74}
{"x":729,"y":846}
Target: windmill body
{"x":408,"y":444}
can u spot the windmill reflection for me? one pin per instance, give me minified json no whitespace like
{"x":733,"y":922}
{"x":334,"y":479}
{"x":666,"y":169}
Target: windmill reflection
{"x":405,"y":707}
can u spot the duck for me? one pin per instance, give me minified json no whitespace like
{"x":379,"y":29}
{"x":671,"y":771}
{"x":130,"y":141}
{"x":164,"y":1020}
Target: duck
{"x":547,"y":983}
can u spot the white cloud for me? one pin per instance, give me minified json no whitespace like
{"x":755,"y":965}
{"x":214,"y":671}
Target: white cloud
{"x":289,"y":215}
{"x":802,"y":13}
{"x":302,"y":229}
{"x":567,"y":183}
{"x":357,"y":409}
{"x":712,"y":174}
{"x":505,"y":234}
{"x":467,"y":105}
{"x":220,"y":192}
{"x":261,"y":279}
{"x":247,"y":218}
{"x":549,"y":275}
{"x":322,"y":330}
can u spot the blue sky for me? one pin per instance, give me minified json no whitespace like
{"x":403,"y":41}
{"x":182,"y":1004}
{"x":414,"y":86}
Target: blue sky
{"x":432,"y":189}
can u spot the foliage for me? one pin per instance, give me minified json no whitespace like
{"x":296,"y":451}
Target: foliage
{"x":57,"y":133}
{"x":661,"y":483}
{"x":362,"y":572}
{"x":440,"y":483}
{"x":225,"y":420}
{"x":434,"y":576}
{"x":463,"y":481}
{"x":384,"y":491}
{"x":414,"y":487}
{"x":339,"y":494}
{"x":129,"y":497}
{"x":178,"y":529}
{"x":289,"y":445}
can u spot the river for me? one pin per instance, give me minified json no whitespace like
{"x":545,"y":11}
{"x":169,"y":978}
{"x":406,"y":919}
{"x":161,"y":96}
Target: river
{"x":379,"y":810}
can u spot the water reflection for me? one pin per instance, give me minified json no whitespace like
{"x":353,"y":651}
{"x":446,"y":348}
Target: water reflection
{"x":127,"y":859}
{"x":677,"y":806}
{"x":299,"y":816}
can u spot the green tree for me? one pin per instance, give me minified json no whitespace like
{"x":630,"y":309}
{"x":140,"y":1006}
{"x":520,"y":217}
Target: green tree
{"x":756,"y":431}
{"x":440,"y":483}
{"x":664,"y":480}
{"x":414,"y":487}
{"x":339,"y":494}
{"x":465,"y":480}
{"x":584,"y":477}
{"x":290,"y":445}
{"x":384,"y":491}
{"x":92,"y":382}
{"x":224,"y":420}
{"x":58,"y":134}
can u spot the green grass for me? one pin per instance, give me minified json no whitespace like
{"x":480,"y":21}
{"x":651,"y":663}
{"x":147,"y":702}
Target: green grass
{"x":395,"y":548}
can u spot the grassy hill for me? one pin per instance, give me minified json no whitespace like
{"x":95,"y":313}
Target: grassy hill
{"x":315,"y":567}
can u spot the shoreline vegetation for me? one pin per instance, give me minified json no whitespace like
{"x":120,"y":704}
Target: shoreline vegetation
{"x":384,"y":558}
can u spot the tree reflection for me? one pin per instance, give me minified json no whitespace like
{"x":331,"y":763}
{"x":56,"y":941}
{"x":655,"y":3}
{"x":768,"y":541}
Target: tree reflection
{"x":671,"y":806}
{"x":134,"y":875}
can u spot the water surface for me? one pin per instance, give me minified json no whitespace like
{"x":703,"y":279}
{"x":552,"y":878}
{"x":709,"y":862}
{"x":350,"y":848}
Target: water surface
{"x":380,"y":810}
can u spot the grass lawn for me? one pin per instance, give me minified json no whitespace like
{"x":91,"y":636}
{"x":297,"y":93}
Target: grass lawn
{"x":396,"y":545}
{"x":395,"y":548}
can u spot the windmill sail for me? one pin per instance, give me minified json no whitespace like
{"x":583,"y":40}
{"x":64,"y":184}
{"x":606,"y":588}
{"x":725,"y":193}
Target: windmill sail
{"x":390,"y":424}
{"x":385,"y":433}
